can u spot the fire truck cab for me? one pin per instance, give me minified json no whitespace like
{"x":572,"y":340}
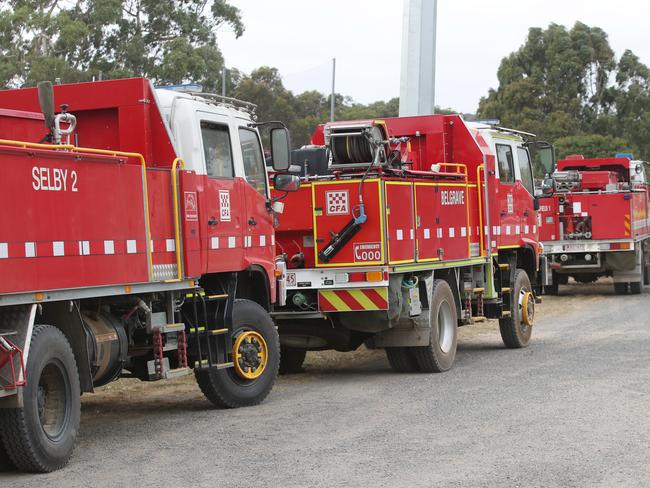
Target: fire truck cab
{"x":136,"y":234}
{"x":412,"y":227}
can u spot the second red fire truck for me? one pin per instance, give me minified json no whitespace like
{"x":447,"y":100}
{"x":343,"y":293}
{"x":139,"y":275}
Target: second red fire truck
{"x":404,"y":229}
{"x":137,"y":234}
{"x":595,"y":222}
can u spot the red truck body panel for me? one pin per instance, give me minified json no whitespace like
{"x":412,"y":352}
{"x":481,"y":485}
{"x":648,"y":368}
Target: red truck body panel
{"x":74,"y":220}
{"x":421,"y":216}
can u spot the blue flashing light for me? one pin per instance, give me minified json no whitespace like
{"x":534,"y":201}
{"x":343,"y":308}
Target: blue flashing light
{"x":629,"y":156}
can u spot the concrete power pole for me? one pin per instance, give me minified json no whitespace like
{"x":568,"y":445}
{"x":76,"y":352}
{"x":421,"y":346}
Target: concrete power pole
{"x":418,"y":76}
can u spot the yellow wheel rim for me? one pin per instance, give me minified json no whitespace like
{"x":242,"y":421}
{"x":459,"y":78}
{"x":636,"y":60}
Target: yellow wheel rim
{"x":528,"y":309}
{"x":250,"y":354}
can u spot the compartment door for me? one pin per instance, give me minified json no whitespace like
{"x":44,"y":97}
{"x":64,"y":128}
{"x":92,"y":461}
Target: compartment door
{"x":452,"y":202}
{"x":426,"y":219}
{"x":335,"y":204}
{"x":400,"y":225}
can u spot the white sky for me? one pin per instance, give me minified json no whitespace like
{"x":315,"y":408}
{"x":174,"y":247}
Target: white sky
{"x":299,"y":37}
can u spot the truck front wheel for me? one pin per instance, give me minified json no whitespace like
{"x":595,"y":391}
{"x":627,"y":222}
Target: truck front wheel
{"x":256,"y":358}
{"x":516,"y":328}
{"x":439,"y":355}
{"x":41,"y":436}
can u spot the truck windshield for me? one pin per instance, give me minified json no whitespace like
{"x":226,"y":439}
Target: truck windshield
{"x":254,"y":165}
{"x":525,"y":170}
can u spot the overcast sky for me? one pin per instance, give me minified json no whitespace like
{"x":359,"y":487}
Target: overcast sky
{"x":300,"y":37}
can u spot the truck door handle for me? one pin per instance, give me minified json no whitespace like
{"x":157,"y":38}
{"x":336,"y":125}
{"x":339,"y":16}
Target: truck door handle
{"x":503,"y":213}
{"x":252,"y":221}
{"x":213,"y":221}
{"x":525,"y":213}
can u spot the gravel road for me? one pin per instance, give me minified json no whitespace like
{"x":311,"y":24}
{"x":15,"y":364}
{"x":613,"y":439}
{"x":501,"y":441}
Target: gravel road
{"x":571,"y":410}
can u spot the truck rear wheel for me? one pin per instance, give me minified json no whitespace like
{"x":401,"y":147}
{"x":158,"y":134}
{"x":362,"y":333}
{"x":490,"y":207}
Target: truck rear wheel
{"x":41,"y":436}
{"x":402,"y":359}
{"x":439,"y":355}
{"x":620,"y":288}
{"x":635,"y":288}
{"x":517,"y":328}
{"x":256,"y":354}
{"x":291,"y":359}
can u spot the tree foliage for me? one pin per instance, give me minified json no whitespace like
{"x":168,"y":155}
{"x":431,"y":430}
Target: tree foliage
{"x":169,"y":42}
{"x":592,"y":146}
{"x":566,"y":85}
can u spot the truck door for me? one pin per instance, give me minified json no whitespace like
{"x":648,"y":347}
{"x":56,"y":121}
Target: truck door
{"x":259,"y":242}
{"x":506,"y":229}
{"x":222,"y":199}
{"x":525,"y":195}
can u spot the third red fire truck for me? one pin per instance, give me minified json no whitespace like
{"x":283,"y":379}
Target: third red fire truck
{"x":404,"y":229}
{"x":595,"y":222}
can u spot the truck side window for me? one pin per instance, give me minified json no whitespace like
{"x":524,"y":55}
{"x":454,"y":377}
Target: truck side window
{"x":254,"y":165}
{"x":217,"y":151}
{"x":506,"y":163}
{"x":525,"y":170}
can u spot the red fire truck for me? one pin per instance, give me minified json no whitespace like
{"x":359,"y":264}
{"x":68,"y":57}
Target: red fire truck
{"x":136,"y":234}
{"x":404,"y":229}
{"x":594,"y":222}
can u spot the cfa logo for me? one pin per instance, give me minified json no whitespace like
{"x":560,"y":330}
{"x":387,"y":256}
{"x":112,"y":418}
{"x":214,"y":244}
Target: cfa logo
{"x":338,"y":202}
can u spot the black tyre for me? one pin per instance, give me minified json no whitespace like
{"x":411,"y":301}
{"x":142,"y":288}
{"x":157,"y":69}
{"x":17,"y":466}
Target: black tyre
{"x":635,"y":288}
{"x":256,"y":354}
{"x":41,"y":436}
{"x":5,"y":462}
{"x":516,"y":328}
{"x":291,"y":359}
{"x":620,"y":288}
{"x":562,"y":279}
{"x":402,"y":359}
{"x":439,"y":355}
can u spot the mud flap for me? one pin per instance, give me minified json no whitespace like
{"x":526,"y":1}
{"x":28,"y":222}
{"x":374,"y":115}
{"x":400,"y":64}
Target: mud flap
{"x":19,"y":320}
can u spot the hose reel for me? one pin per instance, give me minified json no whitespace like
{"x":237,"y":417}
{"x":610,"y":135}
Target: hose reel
{"x":356,"y":144}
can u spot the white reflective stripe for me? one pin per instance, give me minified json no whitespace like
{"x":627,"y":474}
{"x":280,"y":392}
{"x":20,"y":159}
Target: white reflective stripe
{"x":534,"y":229}
{"x":485,"y":229}
{"x":273,"y":239}
{"x":412,"y":234}
{"x":452,"y":232}
{"x":517,"y":230}
{"x":494,"y":243}
{"x":109,"y":247}
{"x":400,"y":234}
{"x":463,"y":232}
{"x":4,"y":250}
{"x":151,"y":244}
{"x":527,"y":229}
{"x":170,"y":245}
{"x":439,"y":233}
{"x":58,"y":248}
{"x":131,"y":246}
{"x":232,"y":242}
{"x":214,"y":242}
{"x":262,"y":241}
{"x":507,"y":230}
{"x":84,"y":248}
{"x":427,"y":234}
{"x":30,"y":249}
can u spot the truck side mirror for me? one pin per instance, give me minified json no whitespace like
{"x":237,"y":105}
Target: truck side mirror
{"x":280,"y":149}
{"x":285,"y":182}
